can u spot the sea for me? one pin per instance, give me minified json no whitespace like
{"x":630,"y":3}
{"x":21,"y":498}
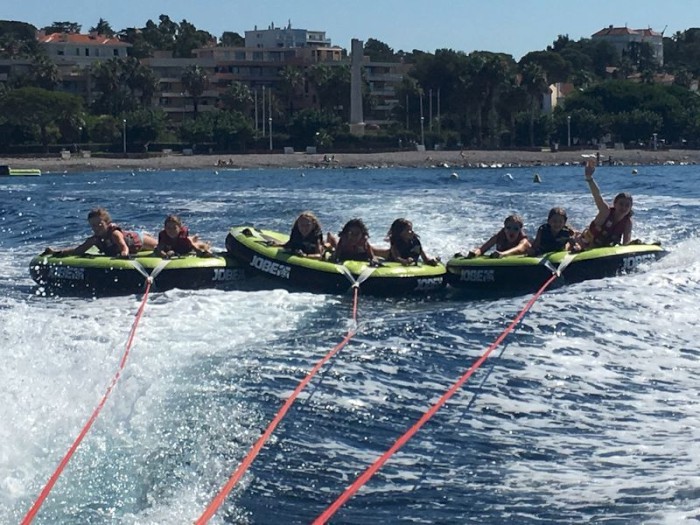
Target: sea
{"x":588,"y":412}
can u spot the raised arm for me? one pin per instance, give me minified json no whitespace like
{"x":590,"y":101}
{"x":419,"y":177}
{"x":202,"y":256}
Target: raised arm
{"x":600,"y":203}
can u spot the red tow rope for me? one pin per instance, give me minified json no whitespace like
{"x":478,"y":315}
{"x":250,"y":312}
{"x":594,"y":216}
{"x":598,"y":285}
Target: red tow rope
{"x":402,"y":440}
{"x":255,"y":450}
{"x":86,"y":428}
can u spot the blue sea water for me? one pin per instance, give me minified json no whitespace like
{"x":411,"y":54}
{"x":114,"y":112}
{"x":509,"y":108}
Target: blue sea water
{"x":589,"y":411}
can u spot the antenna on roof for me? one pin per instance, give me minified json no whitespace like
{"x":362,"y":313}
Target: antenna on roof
{"x":664,"y":30}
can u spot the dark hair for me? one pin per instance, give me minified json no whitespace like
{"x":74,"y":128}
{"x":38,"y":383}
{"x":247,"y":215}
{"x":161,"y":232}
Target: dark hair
{"x":101,"y":213}
{"x":397,"y":228}
{"x":517,"y":219}
{"x":624,"y":195}
{"x":174,"y":219}
{"x":309,"y":215}
{"x":355,"y":223}
{"x":557,"y":211}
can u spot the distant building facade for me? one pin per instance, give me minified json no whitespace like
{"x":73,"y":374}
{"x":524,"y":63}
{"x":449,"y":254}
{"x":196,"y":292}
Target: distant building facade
{"x":285,"y":37}
{"x":621,"y":38}
{"x":81,"y":50}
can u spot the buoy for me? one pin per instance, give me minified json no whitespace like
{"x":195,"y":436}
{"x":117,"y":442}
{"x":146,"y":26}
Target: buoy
{"x":536,"y":178}
{"x":634,"y":172}
{"x":454,"y":175}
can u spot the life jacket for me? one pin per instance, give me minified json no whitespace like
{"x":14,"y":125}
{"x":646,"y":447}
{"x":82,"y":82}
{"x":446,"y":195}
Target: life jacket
{"x":610,"y":233}
{"x":553,"y":243}
{"x":358,"y":252}
{"x":502,"y":242}
{"x":105,"y":243}
{"x":308,"y":245}
{"x":180,"y":244}
{"x":412,"y":248}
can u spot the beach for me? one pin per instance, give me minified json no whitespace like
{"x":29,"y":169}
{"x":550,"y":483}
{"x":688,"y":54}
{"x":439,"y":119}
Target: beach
{"x":416,"y":159}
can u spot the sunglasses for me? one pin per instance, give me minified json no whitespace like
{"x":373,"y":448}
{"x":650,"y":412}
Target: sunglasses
{"x":512,"y":228}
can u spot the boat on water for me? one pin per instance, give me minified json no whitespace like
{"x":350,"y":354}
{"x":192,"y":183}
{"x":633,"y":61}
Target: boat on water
{"x":521,"y":274}
{"x":19,"y":172}
{"x":95,"y":274}
{"x":252,"y":247}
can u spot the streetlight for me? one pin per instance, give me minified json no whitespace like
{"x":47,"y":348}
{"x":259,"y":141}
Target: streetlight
{"x":568,"y":130}
{"x":124,"y":136}
{"x":269,"y":128}
{"x":422,"y":133}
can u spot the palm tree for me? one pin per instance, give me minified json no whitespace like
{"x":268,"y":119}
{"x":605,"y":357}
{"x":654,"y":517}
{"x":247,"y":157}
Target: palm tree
{"x":534,"y":80}
{"x":194,"y":81}
{"x":291,"y":79}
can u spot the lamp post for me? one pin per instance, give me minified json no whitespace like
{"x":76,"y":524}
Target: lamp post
{"x":568,"y":130}
{"x":422,"y":132}
{"x":269,"y":128}
{"x":124,"y":136}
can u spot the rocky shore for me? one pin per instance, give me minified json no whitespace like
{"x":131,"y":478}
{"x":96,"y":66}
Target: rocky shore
{"x":417,"y":159}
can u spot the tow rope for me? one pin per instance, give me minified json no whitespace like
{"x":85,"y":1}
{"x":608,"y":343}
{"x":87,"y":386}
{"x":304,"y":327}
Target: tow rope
{"x":403,"y":439}
{"x":31,"y":514}
{"x":255,"y":450}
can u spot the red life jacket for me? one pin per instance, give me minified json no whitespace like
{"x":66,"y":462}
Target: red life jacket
{"x":610,"y":233}
{"x":180,"y":244}
{"x":502,"y":242}
{"x":106,"y":244}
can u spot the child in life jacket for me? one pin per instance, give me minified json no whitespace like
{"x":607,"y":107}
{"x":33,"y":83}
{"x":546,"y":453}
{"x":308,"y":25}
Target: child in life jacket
{"x":509,"y":240}
{"x":554,"y":235}
{"x":612,"y":225}
{"x":174,"y":239}
{"x":306,"y":237}
{"x":109,"y":238}
{"x":405,"y":245}
{"x":353,"y":243}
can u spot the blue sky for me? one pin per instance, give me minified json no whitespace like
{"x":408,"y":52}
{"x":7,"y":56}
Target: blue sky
{"x":510,"y":26}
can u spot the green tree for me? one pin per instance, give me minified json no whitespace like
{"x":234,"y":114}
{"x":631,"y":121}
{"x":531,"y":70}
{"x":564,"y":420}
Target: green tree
{"x":144,"y":126}
{"x":534,"y":80}
{"x":62,"y":27}
{"x":378,"y":51}
{"x":291,"y":82}
{"x":195,"y":82}
{"x":41,"y":109}
{"x":237,"y":97}
{"x":102,"y":28}
{"x":189,"y":38}
{"x":231,"y":39}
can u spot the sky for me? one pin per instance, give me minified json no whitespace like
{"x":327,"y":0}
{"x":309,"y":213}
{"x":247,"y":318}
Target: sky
{"x":515,"y":27}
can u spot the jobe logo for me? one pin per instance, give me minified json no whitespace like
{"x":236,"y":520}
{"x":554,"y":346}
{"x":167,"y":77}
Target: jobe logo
{"x":630,"y":263}
{"x":228,"y":274}
{"x":273,"y":268}
{"x":66,"y":272}
{"x":477,"y":276}
{"x":429,"y":283}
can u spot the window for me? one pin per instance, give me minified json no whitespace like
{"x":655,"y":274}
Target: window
{"x":116,"y":52}
{"x":87,"y":51}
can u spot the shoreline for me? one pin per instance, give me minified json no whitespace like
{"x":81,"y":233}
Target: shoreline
{"x":392,"y":159}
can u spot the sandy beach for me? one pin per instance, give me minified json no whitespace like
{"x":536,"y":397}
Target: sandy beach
{"x":422,"y":159}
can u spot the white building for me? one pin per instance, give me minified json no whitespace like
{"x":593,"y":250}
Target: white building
{"x":285,"y":37}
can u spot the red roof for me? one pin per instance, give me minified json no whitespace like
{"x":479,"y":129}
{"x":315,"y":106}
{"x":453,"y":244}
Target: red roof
{"x":618,"y":31}
{"x":72,"y":38}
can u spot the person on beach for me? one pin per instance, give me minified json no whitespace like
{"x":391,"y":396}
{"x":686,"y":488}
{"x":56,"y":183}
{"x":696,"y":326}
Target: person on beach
{"x":306,"y":237}
{"x":405,"y":245}
{"x":612,"y":225}
{"x":554,"y":235}
{"x":353,"y":243}
{"x":509,"y":240}
{"x":174,"y":239}
{"x":109,"y":238}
